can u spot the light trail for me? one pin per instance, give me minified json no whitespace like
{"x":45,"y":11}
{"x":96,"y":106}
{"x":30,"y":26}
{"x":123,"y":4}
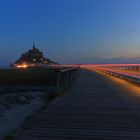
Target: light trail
{"x":118,"y":70}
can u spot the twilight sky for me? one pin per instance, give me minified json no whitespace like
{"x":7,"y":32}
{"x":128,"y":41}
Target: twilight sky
{"x":71,"y":31}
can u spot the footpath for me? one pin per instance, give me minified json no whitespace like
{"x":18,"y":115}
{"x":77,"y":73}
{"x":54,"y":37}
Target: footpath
{"x":94,"y":108}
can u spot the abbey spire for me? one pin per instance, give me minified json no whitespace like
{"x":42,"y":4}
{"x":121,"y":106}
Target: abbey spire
{"x":33,"y":46}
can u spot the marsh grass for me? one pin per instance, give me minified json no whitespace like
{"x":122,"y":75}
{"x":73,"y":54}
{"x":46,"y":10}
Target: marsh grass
{"x":29,"y":76}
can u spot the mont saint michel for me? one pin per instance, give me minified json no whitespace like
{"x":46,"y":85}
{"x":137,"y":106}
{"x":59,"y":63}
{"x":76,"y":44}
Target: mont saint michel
{"x":33,"y":57}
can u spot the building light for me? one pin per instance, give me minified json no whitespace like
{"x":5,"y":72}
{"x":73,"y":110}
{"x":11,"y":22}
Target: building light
{"x":22,"y":66}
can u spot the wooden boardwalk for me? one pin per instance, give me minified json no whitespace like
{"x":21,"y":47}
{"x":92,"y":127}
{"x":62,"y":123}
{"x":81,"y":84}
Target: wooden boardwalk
{"x":94,"y":108}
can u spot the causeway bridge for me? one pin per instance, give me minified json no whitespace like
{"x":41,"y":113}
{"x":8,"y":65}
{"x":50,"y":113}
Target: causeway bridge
{"x":103,"y":103}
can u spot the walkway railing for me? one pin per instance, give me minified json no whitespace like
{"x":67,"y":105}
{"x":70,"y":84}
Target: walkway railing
{"x":120,"y":74}
{"x":66,"y":76}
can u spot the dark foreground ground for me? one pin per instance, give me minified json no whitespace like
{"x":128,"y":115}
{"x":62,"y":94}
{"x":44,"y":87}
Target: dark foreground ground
{"x":94,"y":108}
{"x":29,"y":76}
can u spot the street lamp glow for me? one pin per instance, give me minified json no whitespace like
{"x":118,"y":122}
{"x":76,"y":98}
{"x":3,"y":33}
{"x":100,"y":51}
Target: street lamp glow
{"x":22,"y":66}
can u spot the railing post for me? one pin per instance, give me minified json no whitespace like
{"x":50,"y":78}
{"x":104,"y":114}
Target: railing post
{"x":58,"y":80}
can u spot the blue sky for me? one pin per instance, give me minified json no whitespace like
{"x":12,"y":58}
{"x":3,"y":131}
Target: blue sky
{"x":71,"y":31}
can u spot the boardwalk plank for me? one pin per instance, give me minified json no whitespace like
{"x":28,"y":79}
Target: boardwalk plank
{"x":94,"y":108}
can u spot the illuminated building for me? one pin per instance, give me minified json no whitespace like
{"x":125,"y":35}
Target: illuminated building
{"x":33,"y":57}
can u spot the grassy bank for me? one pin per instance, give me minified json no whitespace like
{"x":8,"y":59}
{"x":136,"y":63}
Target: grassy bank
{"x":29,"y":76}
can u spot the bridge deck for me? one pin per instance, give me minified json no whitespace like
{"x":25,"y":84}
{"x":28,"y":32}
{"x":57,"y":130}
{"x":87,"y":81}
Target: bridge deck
{"x":94,"y":108}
